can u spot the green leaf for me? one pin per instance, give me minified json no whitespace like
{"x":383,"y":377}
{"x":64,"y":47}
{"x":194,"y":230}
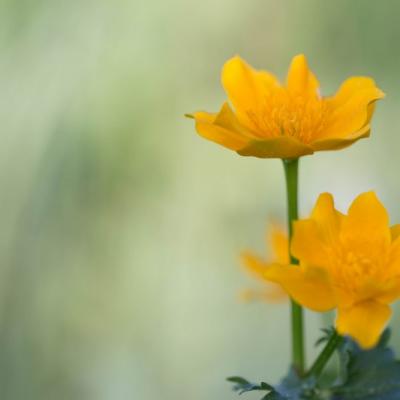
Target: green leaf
{"x":243,"y":385}
{"x":291,"y":388}
{"x":367,"y":375}
{"x":238,"y":380}
{"x":363,"y":375}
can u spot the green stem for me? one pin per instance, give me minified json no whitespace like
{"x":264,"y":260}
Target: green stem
{"x":325,"y":355}
{"x":291,"y":175}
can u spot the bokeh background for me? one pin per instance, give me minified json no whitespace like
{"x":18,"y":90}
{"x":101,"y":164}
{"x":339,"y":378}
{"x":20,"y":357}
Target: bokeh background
{"x":121,"y":228}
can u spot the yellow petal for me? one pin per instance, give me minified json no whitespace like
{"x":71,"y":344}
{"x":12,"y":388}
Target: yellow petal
{"x":300,"y":79}
{"x":329,"y":220}
{"x":245,"y":86}
{"x":324,"y":208}
{"x":280,"y":244}
{"x":390,"y":291}
{"x":307,"y":244}
{"x":351,"y":108}
{"x":351,"y":87}
{"x":364,"y":322}
{"x":312,"y":237}
{"x":341,"y":143}
{"x":344,"y":297}
{"x":257,"y":267}
{"x":367,"y":212}
{"x":395,"y":231}
{"x":366,"y":227}
{"x":392,"y":270}
{"x":280,"y":147}
{"x":254,"y":264}
{"x":222,"y":128}
{"x":309,"y":287}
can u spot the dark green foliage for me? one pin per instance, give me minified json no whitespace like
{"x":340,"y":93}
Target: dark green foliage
{"x":242,"y":385}
{"x":363,"y":375}
{"x":368,"y":375}
{"x":291,"y":387}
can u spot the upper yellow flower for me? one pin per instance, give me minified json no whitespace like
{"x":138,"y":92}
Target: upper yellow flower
{"x":271,"y":120}
{"x":278,"y":241}
{"x":351,"y":262}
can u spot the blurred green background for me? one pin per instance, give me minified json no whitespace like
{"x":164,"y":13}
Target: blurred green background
{"x":120,"y":227}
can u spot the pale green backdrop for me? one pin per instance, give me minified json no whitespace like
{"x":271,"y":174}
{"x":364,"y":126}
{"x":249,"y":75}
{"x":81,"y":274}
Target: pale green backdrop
{"x":120,"y":227}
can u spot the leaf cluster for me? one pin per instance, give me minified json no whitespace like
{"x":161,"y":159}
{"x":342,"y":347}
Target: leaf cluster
{"x":363,"y":375}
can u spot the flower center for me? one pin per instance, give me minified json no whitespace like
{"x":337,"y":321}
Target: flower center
{"x":282,"y":113}
{"x":352,"y":270}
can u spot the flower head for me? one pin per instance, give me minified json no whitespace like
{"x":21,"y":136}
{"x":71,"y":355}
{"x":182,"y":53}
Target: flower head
{"x":349,"y":262}
{"x":274,"y":120}
{"x":278,"y":241}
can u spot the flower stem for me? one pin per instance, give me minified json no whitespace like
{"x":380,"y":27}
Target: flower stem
{"x":291,"y":175}
{"x":325,"y":355}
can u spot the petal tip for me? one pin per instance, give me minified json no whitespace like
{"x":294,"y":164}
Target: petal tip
{"x":300,"y":78}
{"x":370,"y":195}
{"x":381,"y":94}
{"x":299,"y":58}
{"x":236,"y":59}
{"x":364,"y":322}
{"x":299,"y":61}
{"x":326,"y":197}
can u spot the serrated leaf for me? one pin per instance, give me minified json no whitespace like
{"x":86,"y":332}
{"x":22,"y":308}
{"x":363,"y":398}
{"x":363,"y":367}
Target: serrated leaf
{"x":368,"y":375}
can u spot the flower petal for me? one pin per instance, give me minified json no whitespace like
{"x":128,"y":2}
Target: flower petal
{"x":324,"y":208}
{"x":393,"y":267}
{"x":307,"y":286}
{"x":395,"y":231}
{"x":300,"y":79}
{"x":392,"y":270}
{"x":222,"y":128}
{"x":352,"y":87}
{"x":340,"y":143}
{"x":367,"y":212}
{"x":280,"y":147}
{"x":254,"y":264}
{"x":389,"y":292}
{"x":307,"y":243}
{"x":280,"y":244}
{"x":245,"y":86}
{"x":313,"y":237}
{"x":364,"y":322}
{"x":366,"y":228}
{"x":257,"y":267}
{"x":351,"y":108}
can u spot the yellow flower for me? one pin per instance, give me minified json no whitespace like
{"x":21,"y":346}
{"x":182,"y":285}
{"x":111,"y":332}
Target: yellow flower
{"x":272,"y":120}
{"x":277,"y":240}
{"x":349,"y":262}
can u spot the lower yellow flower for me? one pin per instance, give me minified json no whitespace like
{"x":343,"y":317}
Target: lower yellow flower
{"x":257,"y":266}
{"x":349,"y":262}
